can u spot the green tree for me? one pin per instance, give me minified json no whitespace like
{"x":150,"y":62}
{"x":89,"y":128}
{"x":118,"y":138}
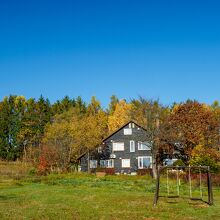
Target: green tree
{"x":11,"y":115}
{"x":112,"y":105}
{"x":64,"y":105}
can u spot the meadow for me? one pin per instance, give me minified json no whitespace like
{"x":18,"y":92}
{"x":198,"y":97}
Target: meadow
{"x":24,"y":195}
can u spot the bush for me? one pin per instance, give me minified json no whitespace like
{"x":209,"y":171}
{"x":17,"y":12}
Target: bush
{"x":216,"y":180}
{"x":110,"y":171}
{"x":205,"y":160}
{"x":179,"y":163}
{"x":33,"y":171}
{"x":205,"y":156}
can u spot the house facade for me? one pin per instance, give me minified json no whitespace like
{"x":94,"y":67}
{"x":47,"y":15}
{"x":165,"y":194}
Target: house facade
{"x":127,"y":151}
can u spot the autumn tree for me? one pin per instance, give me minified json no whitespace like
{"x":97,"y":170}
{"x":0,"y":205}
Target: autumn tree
{"x":205,"y":156}
{"x":75,"y":131}
{"x":59,"y":135}
{"x":151,"y":115}
{"x":120,"y":116}
{"x":190,"y":124}
{"x":90,"y":129}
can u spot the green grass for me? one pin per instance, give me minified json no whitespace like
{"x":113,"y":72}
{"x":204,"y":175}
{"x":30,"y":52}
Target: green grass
{"x":83,"y":196}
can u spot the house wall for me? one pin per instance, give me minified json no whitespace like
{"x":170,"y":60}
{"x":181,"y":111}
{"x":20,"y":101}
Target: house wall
{"x":138,"y":134}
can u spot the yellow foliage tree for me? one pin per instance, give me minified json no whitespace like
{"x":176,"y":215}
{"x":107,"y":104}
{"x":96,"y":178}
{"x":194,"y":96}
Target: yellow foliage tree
{"x":90,"y":129}
{"x":73,"y":134}
{"x":121,"y":115}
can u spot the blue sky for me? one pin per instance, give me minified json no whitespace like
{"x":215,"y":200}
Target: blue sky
{"x":157,"y":49}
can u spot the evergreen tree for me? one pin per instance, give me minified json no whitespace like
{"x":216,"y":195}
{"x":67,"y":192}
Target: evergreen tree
{"x":112,"y":105}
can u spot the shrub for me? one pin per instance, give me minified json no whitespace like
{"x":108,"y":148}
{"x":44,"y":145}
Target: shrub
{"x":205,"y":160}
{"x":216,"y":180}
{"x":204,"y":156}
{"x":179,"y":163}
{"x":110,"y":171}
{"x":32,"y":171}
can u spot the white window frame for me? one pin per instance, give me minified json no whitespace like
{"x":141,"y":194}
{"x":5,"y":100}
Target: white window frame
{"x":99,"y":149}
{"x":123,"y":163}
{"x":131,"y":125}
{"x":132,"y":142}
{"x":127,"y":131}
{"x":118,"y":146}
{"x":109,"y":163}
{"x":142,"y":158}
{"x":140,"y":146}
{"x":102,"y":165}
{"x":91,"y":164}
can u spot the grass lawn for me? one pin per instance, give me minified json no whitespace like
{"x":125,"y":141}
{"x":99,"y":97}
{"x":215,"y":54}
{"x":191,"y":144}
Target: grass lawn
{"x":81,"y":196}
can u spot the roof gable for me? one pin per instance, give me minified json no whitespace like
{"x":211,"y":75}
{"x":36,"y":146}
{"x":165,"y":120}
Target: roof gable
{"x":122,"y":127}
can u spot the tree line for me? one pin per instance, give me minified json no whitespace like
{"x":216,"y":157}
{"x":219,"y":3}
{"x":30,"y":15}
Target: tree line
{"x":52,"y":136}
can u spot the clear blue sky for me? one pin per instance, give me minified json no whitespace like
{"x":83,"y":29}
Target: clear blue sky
{"x":157,"y":49}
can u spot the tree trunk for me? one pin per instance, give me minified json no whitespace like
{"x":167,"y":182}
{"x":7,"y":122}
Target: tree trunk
{"x":155,"y":150}
{"x":154,"y":164}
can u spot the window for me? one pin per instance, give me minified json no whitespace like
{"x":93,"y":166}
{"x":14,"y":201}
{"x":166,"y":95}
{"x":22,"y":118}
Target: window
{"x":127,"y":131}
{"x":102,"y":163}
{"x":143,"y":145}
{"x":132,"y":146}
{"x":169,"y":162}
{"x":99,"y":149}
{"x":93,"y":164}
{"x":125,"y":163}
{"x":144,"y":162}
{"x":109,"y":163}
{"x":131,"y":125}
{"x":118,"y":146}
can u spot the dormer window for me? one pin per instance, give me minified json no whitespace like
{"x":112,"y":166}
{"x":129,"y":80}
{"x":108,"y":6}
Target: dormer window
{"x":131,"y":125}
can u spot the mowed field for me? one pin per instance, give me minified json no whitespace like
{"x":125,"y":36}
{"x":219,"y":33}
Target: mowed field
{"x":83,"y":196}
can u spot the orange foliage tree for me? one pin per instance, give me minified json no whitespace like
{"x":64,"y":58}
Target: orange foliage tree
{"x":189,"y":124}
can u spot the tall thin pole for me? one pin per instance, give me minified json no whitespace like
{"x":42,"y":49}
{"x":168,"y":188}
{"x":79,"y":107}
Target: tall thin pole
{"x":88,"y":162}
{"x":177,"y":182}
{"x":200,"y":183}
{"x":168,"y":190}
{"x":210,"y":193}
{"x":156,"y":196}
{"x":190,"y":183}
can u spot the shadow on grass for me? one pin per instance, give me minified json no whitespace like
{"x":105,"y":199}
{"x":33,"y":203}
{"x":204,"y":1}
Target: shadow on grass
{"x":8,"y":197}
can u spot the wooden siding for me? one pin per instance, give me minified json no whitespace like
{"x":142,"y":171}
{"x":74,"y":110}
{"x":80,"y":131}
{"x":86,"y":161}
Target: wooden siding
{"x":138,"y":134}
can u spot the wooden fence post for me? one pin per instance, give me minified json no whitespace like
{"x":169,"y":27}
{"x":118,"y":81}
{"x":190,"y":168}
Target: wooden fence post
{"x":156,"y":196}
{"x":210,"y":193}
